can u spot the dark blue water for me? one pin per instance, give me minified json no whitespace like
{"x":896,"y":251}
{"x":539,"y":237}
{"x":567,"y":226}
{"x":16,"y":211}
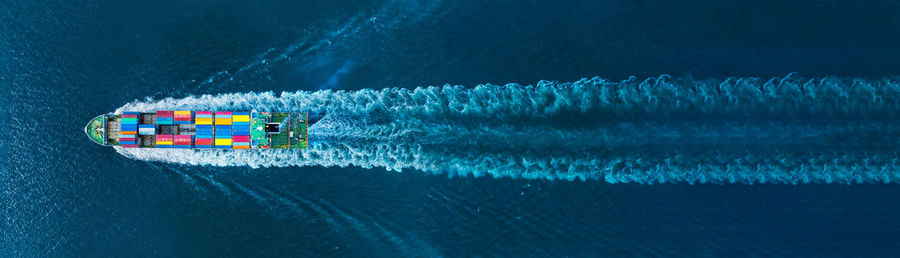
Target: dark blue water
{"x":805,"y":165}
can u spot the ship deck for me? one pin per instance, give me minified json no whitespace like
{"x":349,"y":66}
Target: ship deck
{"x":268,"y":130}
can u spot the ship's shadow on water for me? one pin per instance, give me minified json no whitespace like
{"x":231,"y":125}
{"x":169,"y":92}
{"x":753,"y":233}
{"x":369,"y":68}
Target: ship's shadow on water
{"x":655,"y":130}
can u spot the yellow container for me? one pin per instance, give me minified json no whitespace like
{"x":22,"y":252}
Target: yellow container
{"x":163,"y":143}
{"x":182,"y":112}
{"x":223,"y":121}
{"x":223,"y":141}
{"x":241,"y":118}
{"x":203,"y":121}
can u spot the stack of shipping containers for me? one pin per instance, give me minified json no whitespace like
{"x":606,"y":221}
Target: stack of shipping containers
{"x":204,"y":125}
{"x":241,"y":130}
{"x":128,"y":141}
{"x":129,"y":124}
{"x":223,"y":130}
{"x":164,"y":140}
{"x":128,"y":129}
{"x":146,"y":129}
{"x":182,"y":117}
{"x":204,"y":117}
{"x":182,"y":141}
{"x":165,"y":117}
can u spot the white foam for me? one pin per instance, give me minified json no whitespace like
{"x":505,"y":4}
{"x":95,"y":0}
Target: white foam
{"x":630,"y":131}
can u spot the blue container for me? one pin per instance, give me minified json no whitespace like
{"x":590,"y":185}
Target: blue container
{"x":202,"y":146}
{"x":164,"y":146}
{"x":204,"y":136}
{"x":165,"y":121}
{"x":127,"y":142}
{"x":240,"y":124}
{"x":146,"y":126}
{"x":241,"y":113}
{"x":223,"y":130}
{"x":240,"y":143}
{"x":220,"y":136}
{"x":182,"y":146}
{"x":131,"y":113}
{"x":242,"y":130}
{"x":204,"y":129}
{"x":182,"y":122}
{"x":129,"y":120}
{"x":129,"y":128}
{"x":223,"y":146}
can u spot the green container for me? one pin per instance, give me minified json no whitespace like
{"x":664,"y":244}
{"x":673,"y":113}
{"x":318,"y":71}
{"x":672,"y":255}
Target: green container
{"x":126,"y":120}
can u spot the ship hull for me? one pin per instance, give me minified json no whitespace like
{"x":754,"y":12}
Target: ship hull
{"x":185,"y":129}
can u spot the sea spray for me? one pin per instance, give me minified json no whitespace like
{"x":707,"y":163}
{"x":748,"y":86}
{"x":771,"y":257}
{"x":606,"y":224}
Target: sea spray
{"x":747,"y":130}
{"x":662,"y":96}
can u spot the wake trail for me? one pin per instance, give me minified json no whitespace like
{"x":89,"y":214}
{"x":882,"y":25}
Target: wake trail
{"x":659,"y":129}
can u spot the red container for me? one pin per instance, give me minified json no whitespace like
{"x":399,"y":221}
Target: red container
{"x":201,"y":141}
{"x":164,"y":137}
{"x":240,"y":138}
{"x":127,"y":139}
{"x":129,"y":116}
{"x":223,"y":113}
{"x":203,"y":113}
{"x":165,"y":113}
{"x":129,"y":146}
{"x":182,"y":140}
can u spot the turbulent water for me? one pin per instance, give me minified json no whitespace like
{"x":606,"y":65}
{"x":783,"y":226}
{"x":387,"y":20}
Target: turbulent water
{"x":459,"y":128}
{"x":782,"y":130}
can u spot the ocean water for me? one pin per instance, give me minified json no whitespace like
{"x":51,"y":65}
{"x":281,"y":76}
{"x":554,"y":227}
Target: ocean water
{"x":459,"y":128}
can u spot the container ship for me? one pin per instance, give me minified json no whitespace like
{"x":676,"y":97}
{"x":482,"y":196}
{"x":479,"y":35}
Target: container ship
{"x":201,"y":130}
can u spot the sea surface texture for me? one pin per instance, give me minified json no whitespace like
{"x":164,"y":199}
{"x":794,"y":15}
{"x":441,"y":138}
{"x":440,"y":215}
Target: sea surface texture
{"x":459,"y":128}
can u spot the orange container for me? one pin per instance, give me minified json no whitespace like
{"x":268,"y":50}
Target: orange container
{"x":204,"y":121}
{"x":223,"y":121}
